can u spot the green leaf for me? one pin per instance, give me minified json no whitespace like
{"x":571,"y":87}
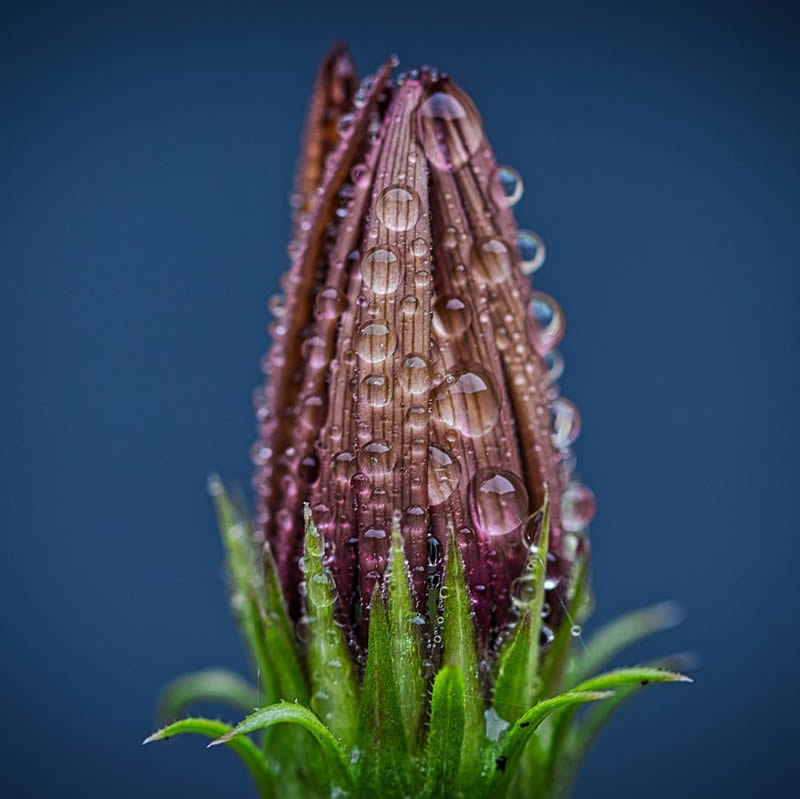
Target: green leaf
{"x":556,"y":661}
{"x":445,"y":732}
{"x":258,"y":604}
{"x":611,"y":639}
{"x":209,"y":685}
{"x":517,"y":684}
{"x":522,"y":730}
{"x":335,"y":694}
{"x":459,"y":650}
{"x":383,"y":758}
{"x":619,"y":679}
{"x":290,"y":713}
{"x":249,"y":753}
{"x":404,"y":640}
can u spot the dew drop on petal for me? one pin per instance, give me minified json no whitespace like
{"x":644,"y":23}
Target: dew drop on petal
{"x":451,"y":316}
{"x":566,"y":422}
{"x":548,"y":320}
{"x":531,"y":251}
{"x":467,"y":400}
{"x":499,"y":501}
{"x":577,"y":507}
{"x":444,"y":473}
{"x":376,"y":458}
{"x":398,"y":207}
{"x":376,"y":341}
{"x":492,"y":260}
{"x":377,"y":390}
{"x":381,"y":270}
{"x":508,"y":187}
{"x":415,"y":374}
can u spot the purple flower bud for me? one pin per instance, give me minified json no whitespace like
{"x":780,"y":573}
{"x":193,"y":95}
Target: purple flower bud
{"x":412,"y":366}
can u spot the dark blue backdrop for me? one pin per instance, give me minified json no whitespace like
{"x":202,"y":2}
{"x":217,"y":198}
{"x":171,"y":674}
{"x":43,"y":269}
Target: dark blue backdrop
{"x":147,"y":152}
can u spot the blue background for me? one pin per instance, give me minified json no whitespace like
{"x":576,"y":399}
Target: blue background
{"x":147,"y":153}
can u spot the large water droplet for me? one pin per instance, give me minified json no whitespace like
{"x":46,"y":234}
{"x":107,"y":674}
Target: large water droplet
{"x":417,"y":418}
{"x":449,"y":126}
{"x":566,"y":422}
{"x":419,"y":247}
{"x":376,"y":341}
{"x":492,"y":260}
{"x":344,"y":466}
{"x":377,"y":390}
{"x":444,"y":472}
{"x":398,"y":207}
{"x":330,"y":303}
{"x":499,"y":501}
{"x":549,"y":322}
{"x":531,"y":251}
{"x":381,"y":270}
{"x":577,"y":507}
{"x":451,"y":316}
{"x":376,"y":458}
{"x":467,"y":400}
{"x":508,"y":188}
{"x":415,"y":374}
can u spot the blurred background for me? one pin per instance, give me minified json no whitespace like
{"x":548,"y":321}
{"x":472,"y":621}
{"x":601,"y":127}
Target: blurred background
{"x":147,"y":155}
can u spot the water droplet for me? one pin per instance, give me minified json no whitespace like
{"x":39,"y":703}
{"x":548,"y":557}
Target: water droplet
{"x":566,"y":422}
{"x":554,"y":363}
{"x":449,"y":126}
{"x":531,"y":251}
{"x":422,"y":278}
{"x":409,"y":305}
{"x":376,"y":341}
{"x":308,"y":468}
{"x":549,"y":321}
{"x":359,"y":174}
{"x":377,"y":390}
{"x":376,"y":458}
{"x":330,"y":303}
{"x":417,"y":418}
{"x":492,"y":260}
{"x":450,"y":238}
{"x":575,"y":630}
{"x":467,"y":400}
{"x":444,"y":473}
{"x":499,"y":501}
{"x":415,"y":374}
{"x":415,"y":519}
{"x":398,"y":207}
{"x":577,"y":507}
{"x":451,"y":316}
{"x":375,"y":533}
{"x":344,"y":466}
{"x":420,"y":247}
{"x":381,"y":270}
{"x":508,"y":187}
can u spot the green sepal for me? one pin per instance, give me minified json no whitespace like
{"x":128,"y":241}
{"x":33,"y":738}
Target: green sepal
{"x":258,"y":604}
{"x":611,"y":639}
{"x":291,"y":713}
{"x":250,"y":754}
{"x":517,"y":684}
{"x":458,"y":636}
{"x":381,"y":748}
{"x":208,"y":685}
{"x":619,"y":679}
{"x":333,"y":683}
{"x":405,"y":640}
{"x":445,"y":733}
{"x":523,"y":729}
{"x":556,"y":662}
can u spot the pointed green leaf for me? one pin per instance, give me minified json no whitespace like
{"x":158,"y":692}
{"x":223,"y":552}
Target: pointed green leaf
{"x":290,"y":713}
{"x":522,"y":730}
{"x":383,"y":758}
{"x":404,"y":639}
{"x":616,"y":680}
{"x":208,"y":685}
{"x":335,"y":694}
{"x":249,"y":753}
{"x":445,"y":733}
{"x":614,"y":637}
{"x":517,"y":683}
{"x":459,"y":650}
{"x":556,"y":661}
{"x":258,"y":604}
